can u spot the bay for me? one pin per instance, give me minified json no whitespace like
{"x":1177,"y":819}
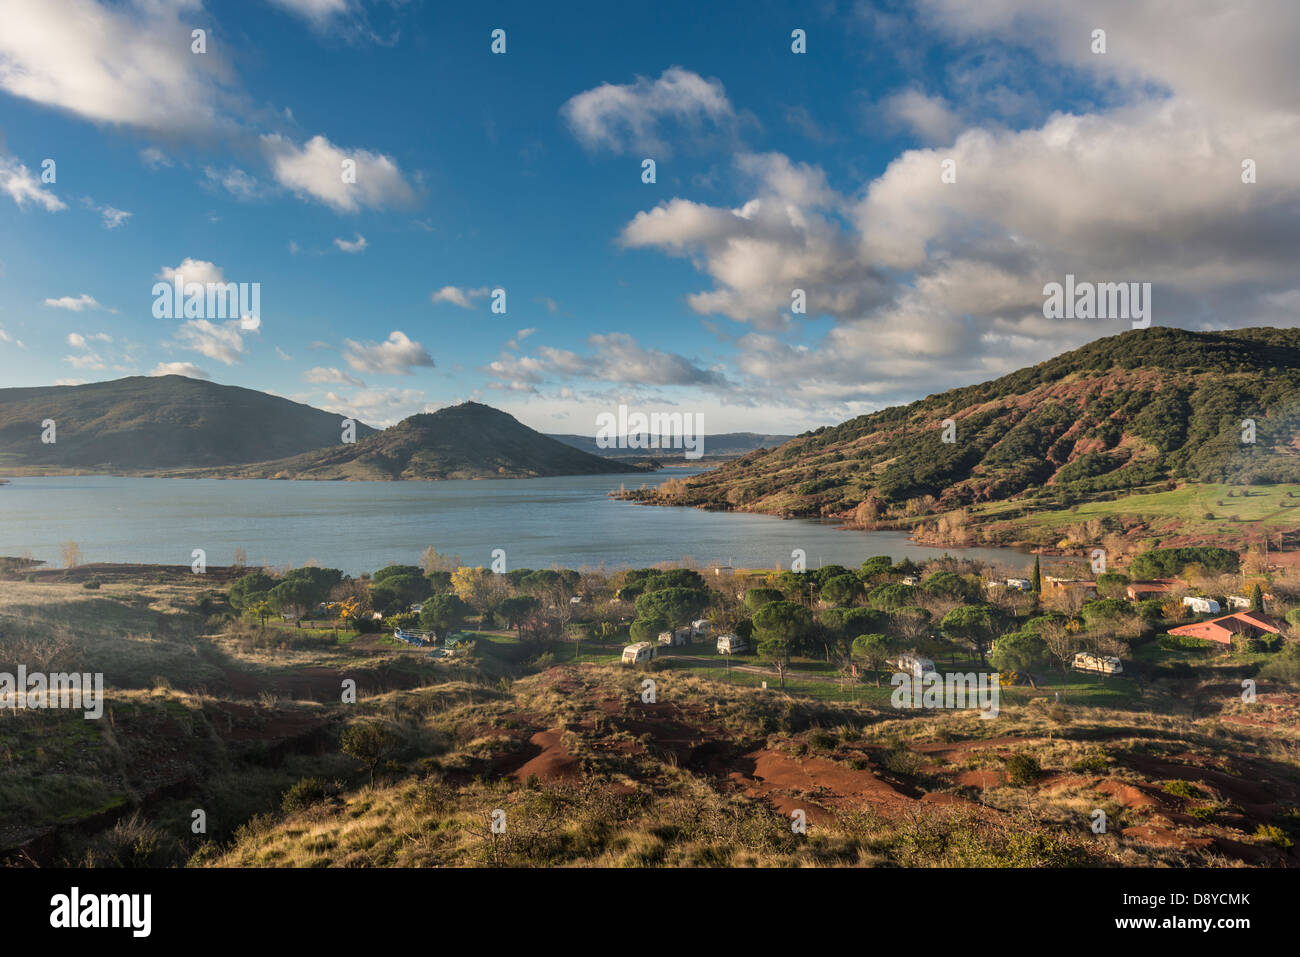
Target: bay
{"x":567,"y":521}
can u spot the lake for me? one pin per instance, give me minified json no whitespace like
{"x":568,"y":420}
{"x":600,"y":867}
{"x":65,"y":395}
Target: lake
{"x":360,"y":526}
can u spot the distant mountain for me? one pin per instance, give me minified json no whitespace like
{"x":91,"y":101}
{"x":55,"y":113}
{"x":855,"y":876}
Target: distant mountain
{"x":146,"y":423}
{"x":722,"y":445}
{"x":1130,"y":411}
{"x":467,"y":441}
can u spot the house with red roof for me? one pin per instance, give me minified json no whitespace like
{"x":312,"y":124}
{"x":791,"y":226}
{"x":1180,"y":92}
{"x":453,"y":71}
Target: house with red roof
{"x":1251,"y":624}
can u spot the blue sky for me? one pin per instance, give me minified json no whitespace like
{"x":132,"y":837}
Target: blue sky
{"x":522,"y":171}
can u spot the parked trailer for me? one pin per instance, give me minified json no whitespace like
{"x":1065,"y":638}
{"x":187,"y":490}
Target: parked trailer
{"x":417,"y":638}
{"x":914,"y":665}
{"x":639,"y":653}
{"x":1097,"y":664}
{"x":672,"y":639}
{"x":700,"y":628}
{"x":731,"y":644}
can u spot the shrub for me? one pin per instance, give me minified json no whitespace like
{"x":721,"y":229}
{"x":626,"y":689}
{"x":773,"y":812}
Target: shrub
{"x":1274,"y":835}
{"x":304,"y":794}
{"x":91,"y":583}
{"x":903,"y":761}
{"x":1092,"y":763}
{"x":1184,"y":789}
{"x":822,"y":740}
{"x":1023,"y":769}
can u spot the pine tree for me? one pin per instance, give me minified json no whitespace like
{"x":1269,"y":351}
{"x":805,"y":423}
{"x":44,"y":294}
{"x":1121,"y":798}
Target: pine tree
{"x":1257,"y":598}
{"x":1037,"y":580}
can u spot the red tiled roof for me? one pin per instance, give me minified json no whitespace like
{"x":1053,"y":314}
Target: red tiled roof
{"x":1222,"y":629}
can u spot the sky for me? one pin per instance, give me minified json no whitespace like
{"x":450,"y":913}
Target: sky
{"x":919,"y":171}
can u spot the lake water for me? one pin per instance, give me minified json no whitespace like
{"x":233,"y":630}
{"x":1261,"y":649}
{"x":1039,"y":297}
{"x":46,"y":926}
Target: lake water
{"x":361,"y":526}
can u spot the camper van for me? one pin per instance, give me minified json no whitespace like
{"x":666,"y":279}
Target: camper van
{"x":731,"y":644}
{"x":699,"y":628}
{"x":1204,"y":606}
{"x":914,"y":665}
{"x":638,"y":654}
{"x":678,"y":636}
{"x":1097,"y":664}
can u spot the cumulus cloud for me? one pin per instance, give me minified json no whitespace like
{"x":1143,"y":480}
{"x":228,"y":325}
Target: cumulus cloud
{"x":23,"y":187}
{"x":216,"y":340}
{"x":193,"y":270}
{"x":378,"y":407}
{"x":648,"y":116}
{"x":352,"y":246}
{"x":396,"y":356}
{"x":458,"y":296}
{"x":929,"y":117}
{"x":317,"y":170}
{"x":188,"y":369}
{"x":613,"y":357}
{"x":124,"y":64}
{"x":321,"y":374}
{"x":74,"y":303}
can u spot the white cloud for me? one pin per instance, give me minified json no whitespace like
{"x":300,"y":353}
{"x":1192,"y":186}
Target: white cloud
{"x":193,"y":270}
{"x":220,"y":341}
{"x":378,"y":407}
{"x":74,"y":303}
{"x":458,"y":296}
{"x":23,"y":187}
{"x":87,"y":360}
{"x":321,"y":374}
{"x":396,"y":356}
{"x":188,"y":369}
{"x":614,"y":357}
{"x":112,"y":217}
{"x":126,"y":64}
{"x":352,"y":246}
{"x":633,"y":117}
{"x":154,"y":158}
{"x":316,"y":170}
{"x":317,"y":12}
{"x":930,"y":117}
{"x":236,"y":182}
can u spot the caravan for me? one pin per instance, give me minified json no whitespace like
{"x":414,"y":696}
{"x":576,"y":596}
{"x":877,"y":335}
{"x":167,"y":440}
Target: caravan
{"x":639,"y":653}
{"x":1097,"y":664}
{"x":914,"y":665}
{"x":731,"y":644}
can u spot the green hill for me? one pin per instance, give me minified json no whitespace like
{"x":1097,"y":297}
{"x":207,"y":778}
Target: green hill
{"x":1139,"y":410}
{"x":146,"y":423}
{"x":466,"y":441}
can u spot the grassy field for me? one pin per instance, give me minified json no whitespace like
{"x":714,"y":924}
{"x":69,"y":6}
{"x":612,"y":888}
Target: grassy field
{"x":1238,"y":512}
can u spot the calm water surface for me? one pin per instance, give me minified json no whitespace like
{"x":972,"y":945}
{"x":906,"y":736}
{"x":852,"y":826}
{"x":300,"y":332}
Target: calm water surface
{"x":361,"y":526}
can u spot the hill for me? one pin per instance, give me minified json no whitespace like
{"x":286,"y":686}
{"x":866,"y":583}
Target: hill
{"x":721,"y":446}
{"x":143,"y":423}
{"x":466,"y":441}
{"x":1144,"y":410}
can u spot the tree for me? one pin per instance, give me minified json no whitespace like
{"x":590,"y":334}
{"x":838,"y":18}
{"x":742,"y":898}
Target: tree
{"x":369,"y":742}
{"x":71,"y":554}
{"x":647,"y":629}
{"x":260,"y":609}
{"x":973,"y":624}
{"x":1022,"y":652}
{"x":516,"y":610}
{"x":842,"y":589}
{"x":1257,"y":598}
{"x":784,"y":621}
{"x":1036,"y":579}
{"x":443,"y":613}
{"x":776,"y":652}
{"x":756,"y":598}
{"x":873,"y":651}
{"x":250,"y":589}
{"x":675,"y":605}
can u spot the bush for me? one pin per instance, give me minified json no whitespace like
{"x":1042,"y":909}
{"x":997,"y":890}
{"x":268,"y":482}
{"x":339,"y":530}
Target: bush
{"x":1274,"y":835}
{"x":822,"y":740}
{"x":304,"y":794}
{"x":903,"y":761}
{"x":1023,"y":769}
{"x":1093,"y":763}
{"x":1184,"y":789}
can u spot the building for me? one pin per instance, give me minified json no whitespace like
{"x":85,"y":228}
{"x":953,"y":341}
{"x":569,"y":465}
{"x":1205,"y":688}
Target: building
{"x":1238,"y":603}
{"x":1250,"y":624}
{"x":1085,"y":585}
{"x":1156,"y":588}
{"x":1202,"y":605}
